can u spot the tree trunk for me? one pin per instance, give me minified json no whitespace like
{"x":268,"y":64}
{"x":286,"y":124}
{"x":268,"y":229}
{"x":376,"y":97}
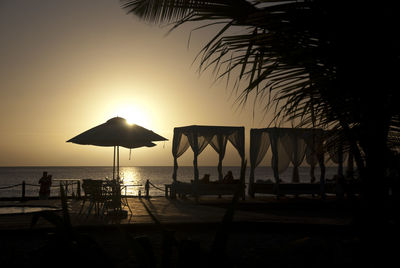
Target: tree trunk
{"x":373,"y":217}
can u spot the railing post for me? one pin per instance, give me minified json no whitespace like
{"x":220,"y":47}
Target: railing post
{"x":147,"y":188}
{"x":23,"y":190}
{"x":78,"y":189}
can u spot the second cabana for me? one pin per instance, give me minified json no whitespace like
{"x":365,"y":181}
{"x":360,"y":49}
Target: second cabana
{"x":288,"y":145}
{"x":198,"y":137}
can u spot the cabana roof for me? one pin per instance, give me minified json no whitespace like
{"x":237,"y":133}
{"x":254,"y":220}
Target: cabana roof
{"x":198,"y":137}
{"x":207,"y":130}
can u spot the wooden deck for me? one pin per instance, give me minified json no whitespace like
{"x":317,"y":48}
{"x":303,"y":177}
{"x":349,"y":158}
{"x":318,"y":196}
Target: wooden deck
{"x":183,"y":211}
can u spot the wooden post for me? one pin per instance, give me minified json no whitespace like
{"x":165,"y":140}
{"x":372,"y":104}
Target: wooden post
{"x":23,"y":190}
{"x":195,"y":154}
{"x":66,"y":188}
{"x":78,"y":189}
{"x":147,"y":188}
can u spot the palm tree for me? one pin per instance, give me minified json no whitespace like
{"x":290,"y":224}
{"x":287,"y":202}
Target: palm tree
{"x":327,"y":64}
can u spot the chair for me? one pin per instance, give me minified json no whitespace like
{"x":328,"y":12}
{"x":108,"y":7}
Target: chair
{"x":124,"y":199}
{"x":93,"y":190}
{"x":113,"y":198}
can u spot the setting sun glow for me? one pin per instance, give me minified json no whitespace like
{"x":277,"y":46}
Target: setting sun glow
{"x":134,"y":115}
{"x":84,"y":64}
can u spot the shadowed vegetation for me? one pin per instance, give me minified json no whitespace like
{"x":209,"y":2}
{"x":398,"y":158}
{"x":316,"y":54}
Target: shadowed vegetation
{"x":318,"y":63}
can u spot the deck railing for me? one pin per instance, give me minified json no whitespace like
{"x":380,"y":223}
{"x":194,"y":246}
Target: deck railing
{"x":76,"y":190}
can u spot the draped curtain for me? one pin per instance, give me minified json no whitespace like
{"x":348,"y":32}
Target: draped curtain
{"x":218,"y":142}
{"x":237,"y":140}
{"x":180,"y":144}
{"x":288,"y":145}
{"x":198,"y":137}
{"x":280,"y":154}
{"x":295,"y":147}
{"x":336,"y":154}
{"x":197,"y":143}
{"x":314,"y":150}
{"x":259,"y":144}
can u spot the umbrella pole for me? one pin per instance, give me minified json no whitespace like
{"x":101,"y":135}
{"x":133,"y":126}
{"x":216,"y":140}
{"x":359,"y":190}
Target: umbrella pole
{"x":114,"y":165}
{"x":118,"y":163}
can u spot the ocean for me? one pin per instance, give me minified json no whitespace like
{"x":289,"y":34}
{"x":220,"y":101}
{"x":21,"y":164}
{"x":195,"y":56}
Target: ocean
{"x":158,"y":176}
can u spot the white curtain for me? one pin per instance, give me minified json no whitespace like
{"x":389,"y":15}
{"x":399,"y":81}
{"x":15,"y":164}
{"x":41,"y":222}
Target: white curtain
{"x":198,"y":144}
{"x":284,"y":154}
{"x":237,"y":140}
{"x":288,"y":145}
{"x":180,"y":144}
{"x":336,"y":154}
{"x":295,"y":147}
{"x":259,"y":144}
{"x":198,"y":137}
{"x":280,"y":157}
{"x":314,"y":151}
{"x":218,"y":142}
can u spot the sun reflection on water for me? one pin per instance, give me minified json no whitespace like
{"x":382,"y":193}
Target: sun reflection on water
{"x":130,"y":176}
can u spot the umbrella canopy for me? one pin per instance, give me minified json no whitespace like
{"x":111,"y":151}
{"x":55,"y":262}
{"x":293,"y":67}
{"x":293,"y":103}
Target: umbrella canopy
{"x":117,"y":132}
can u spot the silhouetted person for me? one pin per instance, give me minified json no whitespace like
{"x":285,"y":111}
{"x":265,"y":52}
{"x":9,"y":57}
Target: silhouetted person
{"x":228,"y":177}
{"x":45,"y":183}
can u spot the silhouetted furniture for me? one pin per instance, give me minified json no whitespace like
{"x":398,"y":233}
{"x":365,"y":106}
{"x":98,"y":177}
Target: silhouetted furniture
{"x":93,"y":193}
{"x":104,"y":196}
{"x":114,"y":200}
{"x":182,"y":189}
{"x":282,"y":189}
{"x":68,"y":185}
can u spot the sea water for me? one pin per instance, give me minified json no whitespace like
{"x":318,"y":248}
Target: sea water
{"x":134,"y":177}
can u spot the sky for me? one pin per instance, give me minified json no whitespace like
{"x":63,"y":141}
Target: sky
{"x":67,"y":66}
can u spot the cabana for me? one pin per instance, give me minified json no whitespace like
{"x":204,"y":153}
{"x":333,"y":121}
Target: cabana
{"x":197,"y":138}
{"x":288,"y":145}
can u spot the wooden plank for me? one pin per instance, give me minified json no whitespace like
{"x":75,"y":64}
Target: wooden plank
{"x":167,"y":211}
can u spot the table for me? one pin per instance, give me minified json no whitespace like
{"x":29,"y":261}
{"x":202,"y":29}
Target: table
{"x":70,"y":182}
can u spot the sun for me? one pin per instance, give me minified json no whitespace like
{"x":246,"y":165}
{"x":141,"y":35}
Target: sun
{"x":134,"y":115}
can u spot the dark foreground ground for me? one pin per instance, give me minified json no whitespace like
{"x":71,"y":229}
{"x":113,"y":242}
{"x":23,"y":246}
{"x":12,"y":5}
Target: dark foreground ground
{"x":244,"y":244}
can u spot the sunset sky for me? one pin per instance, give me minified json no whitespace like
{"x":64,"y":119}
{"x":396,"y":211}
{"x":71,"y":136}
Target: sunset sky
{"x":67,"y":66}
